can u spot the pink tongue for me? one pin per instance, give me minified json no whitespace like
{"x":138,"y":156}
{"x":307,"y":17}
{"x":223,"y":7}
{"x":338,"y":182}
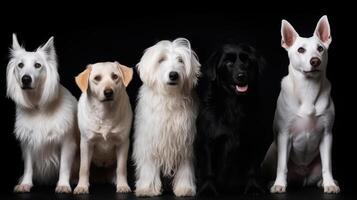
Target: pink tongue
{"x":242,"y":88}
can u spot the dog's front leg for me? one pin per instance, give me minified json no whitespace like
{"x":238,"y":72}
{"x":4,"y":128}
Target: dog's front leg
{"x":328,"y":182}
{"x":148,"y":181}
{"x":68,"y":151}
{"x":86,"y":157}
{"x":121,"y":171}
{"x":184,"y":181}
{"x":283,"y":144}
{"x":26,"y":184}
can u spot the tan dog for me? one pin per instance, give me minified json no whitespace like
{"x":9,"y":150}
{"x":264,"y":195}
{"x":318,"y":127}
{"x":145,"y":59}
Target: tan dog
{"x":104,"y":118}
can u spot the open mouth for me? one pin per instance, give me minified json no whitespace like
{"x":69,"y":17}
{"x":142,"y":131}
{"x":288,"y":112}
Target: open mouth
{"x":241,"y":89}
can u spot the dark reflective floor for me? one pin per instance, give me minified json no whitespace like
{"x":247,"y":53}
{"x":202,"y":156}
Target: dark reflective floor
{"x":107,"y":192}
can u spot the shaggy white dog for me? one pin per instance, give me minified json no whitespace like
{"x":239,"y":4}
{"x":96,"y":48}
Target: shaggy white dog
{"x":45,"y":116}
{"x":165,"y":118}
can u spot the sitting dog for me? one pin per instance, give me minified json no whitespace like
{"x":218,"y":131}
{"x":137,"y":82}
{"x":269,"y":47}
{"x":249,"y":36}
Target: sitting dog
{"x":104,"y":119}
{"x":165,"y":118}
{"x":45,"y":124}
{"x":304,"y":115}
{"x":229,"y":142}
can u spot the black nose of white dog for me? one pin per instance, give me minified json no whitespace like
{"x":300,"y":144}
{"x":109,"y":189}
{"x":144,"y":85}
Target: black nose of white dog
{"x":315,"y":62}
{"x":173,"y":76}
{"x":108,"y":93}
{"x":26,"y":80}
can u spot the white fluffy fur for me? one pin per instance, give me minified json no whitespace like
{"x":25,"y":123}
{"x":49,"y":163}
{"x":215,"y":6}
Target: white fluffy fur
{"x":165,"y":119}
{"x":45,"y":117}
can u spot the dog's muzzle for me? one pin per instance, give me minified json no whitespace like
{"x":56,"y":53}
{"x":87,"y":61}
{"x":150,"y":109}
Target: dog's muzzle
{"x":26,"y":82}
{"x":108,"y":94}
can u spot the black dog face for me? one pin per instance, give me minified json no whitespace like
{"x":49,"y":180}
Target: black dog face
{"x":236,"y":68}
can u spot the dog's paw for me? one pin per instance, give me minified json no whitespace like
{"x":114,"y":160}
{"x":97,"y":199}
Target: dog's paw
{"x":81,"y":190}
{"x":278,"y":189}
{"x":123,"y":188}
{"x":63,"y":189}
{"x":208,"y":189}
{"x":184,"y":191}
{"x":147,"y":192}
{"x":331,"y":189}
{"x":253,"y":187}
{"x":22,"y":188}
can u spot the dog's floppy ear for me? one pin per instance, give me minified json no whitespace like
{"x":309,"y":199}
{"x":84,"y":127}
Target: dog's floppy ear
{"x":210,"y":70}
{"x":288,"y":34}
{"x":127,"y":73}
{"x":323,"y":32}
{"x":82,"y":79}
{"x":15,"y":43}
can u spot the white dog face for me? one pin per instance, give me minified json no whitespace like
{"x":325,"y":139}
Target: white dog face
{"x":307,"y":55}
{"x":104,"y":81}
{"x":32,"y":73}
{"x":170,"y":66}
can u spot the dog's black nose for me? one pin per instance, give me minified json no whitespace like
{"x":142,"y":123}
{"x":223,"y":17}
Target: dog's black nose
{"x":315,"y":62}
{"x":173,"y":76}
{"x":241,"y":77}
{"x":108,"y":93}
{"x":26,"y":80}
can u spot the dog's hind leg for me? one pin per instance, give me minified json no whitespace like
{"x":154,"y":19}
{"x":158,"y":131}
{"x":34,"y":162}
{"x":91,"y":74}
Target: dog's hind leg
{"x":26,"y":184}
{"x":68,"y":151}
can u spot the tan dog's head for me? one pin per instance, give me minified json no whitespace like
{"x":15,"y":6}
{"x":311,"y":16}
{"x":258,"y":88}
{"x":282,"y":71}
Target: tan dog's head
{"x":104,"y":81}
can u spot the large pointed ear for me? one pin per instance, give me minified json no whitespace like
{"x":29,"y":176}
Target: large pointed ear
{"x":322,"y":31}
{"x":15,"y":43}
{"x":49,"y":48}
{"x":82,"y":79}
{"x":288,"y":34}
{"x":127,"y":73}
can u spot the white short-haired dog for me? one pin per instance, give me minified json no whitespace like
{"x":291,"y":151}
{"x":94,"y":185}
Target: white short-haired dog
{"x":165,"y":118}
{"x":45,"y":116}
{"x":304,"y":115}
{"x":104,"y":119}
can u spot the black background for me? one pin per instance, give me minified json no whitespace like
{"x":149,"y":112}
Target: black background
{"x":104,"y":33}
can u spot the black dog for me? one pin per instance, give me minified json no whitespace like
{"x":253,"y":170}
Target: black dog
{"x":229,"y":145}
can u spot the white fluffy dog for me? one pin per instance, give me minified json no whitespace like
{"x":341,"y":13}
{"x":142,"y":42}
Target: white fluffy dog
{"x":104,"y":119}
{"x":165,"y":118}
{"x":304,"y":115}
{"x":45,"y":116}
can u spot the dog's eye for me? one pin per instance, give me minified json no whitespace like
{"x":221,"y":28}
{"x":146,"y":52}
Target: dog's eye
{"x":114,"y":76}
{"x":320,"y":48}
{"x":37,"y":65}
{"x":20,"y":65}
{"x":162,"y":59}
{"x":229,"y":64}
{"x":98,"y":78}
{"x":301,"y":50}
{"x":179,"y":59}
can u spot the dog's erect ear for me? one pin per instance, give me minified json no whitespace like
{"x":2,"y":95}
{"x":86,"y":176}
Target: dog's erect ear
{"x":323,"y":32}
{"x":49,"y":48}
{"x":15,"y":43}
{"x":83,"y":78}
{"x":127,"y":73}
{"x":288,"y":34}
{"x":210,"y":70}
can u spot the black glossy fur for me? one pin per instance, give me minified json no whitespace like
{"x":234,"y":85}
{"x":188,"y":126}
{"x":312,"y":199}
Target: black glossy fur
{"x":229,"y":142}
